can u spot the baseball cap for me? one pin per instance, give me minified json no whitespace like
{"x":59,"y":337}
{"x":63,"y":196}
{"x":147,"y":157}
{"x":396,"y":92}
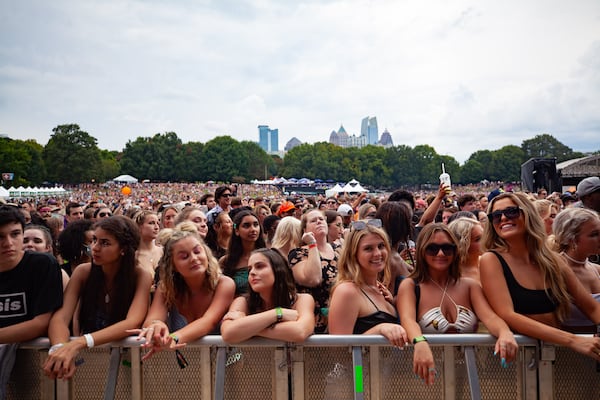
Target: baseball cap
{"x":588,"y":186}
{"x":345,"y":210}
{"x":286,"y":206}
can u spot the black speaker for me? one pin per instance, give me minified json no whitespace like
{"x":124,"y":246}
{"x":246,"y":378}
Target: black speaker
{"x":539,"y":173}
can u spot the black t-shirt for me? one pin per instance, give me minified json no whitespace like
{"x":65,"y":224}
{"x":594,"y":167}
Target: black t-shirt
{"x":32,"y":288}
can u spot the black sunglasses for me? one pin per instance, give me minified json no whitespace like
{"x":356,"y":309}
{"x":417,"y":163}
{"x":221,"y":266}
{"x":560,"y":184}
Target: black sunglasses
{"x":509,"y":212}
{"x":104,"y":214}
{"x":360,"y":225}
{"x":433,"y":249}
{"x":226,"y":195}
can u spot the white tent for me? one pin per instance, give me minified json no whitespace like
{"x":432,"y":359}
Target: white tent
{"x":4,"y":193}
{"x":334,"y":190}
{"x":353,"y":187}
{"x":125,"y":179}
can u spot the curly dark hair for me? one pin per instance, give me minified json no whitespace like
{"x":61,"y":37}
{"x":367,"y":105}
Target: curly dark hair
{"x":70,"y":241}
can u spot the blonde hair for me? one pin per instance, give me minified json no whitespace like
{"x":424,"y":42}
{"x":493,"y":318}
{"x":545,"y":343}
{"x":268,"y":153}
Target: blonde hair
{"x":548,"y":261}
{"x":348,"y":267}
{"x":289,"y":231}
{"x":462,"y":228}
{"x":171,"y":282}
{"x":567,"y":226}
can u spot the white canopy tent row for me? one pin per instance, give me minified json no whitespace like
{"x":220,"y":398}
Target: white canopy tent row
{"x":351,"y":187}
{"x":21,"y":191}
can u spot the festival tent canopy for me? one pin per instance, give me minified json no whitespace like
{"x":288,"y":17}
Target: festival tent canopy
{"x":4,"y":193}
{"x":353,"y":187}
{"x":125,"y":179}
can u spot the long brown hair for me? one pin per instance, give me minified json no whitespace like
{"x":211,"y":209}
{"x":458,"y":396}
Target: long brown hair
{"x":126,"y":233}
{"x":540,"y":253}
{"x":421,"y":271}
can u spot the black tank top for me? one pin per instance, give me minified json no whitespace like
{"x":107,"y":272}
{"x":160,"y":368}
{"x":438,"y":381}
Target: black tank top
{"x":365,"y":323}
{"x":527,"y":301}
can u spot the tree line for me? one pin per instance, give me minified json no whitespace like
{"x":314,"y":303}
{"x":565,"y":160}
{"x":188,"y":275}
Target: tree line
{"x":72,"y":156}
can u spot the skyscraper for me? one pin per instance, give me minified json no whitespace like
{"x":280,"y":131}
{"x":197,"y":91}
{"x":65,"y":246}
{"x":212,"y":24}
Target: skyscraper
{"x":368,"y":130}
{"x":268,"y":139}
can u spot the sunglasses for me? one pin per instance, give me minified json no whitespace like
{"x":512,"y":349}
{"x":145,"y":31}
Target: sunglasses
{"x":509,"y":212}
{"x":360,"y":225}
{"x":433,"y":249}
{"x":332,"y":202}
{"x":226,"y":195}
{"x":104,"y":214}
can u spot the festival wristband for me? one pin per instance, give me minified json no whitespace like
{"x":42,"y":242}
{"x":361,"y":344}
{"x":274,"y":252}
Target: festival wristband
{"x":419,"y":339}
{"x":279,"y":313}
{"x":55,"y":347}
{"x":175,"y":338}
{"x":312,"y":245}
{"x":89,"y":340}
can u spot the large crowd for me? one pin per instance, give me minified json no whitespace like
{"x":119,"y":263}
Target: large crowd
{"x":170,"y":263}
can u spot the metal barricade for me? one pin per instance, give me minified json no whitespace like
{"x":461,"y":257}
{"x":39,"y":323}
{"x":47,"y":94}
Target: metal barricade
{"x":323,"y":367}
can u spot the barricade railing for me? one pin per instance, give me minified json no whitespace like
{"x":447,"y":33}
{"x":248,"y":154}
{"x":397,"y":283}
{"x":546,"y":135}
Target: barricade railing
{"x":322,"y":367}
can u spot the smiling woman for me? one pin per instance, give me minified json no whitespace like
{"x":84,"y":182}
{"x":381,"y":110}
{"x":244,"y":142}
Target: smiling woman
{"x":528,"y":284}
{"x":436,"y":299}
{"x":360,"y":303}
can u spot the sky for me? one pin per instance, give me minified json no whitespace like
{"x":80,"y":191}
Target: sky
{"x":460,"y":76}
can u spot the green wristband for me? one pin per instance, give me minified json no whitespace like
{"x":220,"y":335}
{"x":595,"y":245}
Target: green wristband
{"x":419,"y":339}
{"x":279,"y":313}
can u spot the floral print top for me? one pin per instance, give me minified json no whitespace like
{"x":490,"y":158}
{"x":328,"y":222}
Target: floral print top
{"x":319,"y":293}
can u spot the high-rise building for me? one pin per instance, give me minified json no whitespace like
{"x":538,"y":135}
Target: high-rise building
{"x":368,"y":129}
{"x":268,"y":139}
{"x":386,"y":139}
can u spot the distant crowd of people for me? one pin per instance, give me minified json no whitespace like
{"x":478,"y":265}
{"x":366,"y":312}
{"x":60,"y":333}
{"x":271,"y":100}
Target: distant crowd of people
{"x":170,"y":263}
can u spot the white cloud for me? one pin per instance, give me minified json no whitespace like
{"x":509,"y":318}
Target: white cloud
{"x":460,"y":76}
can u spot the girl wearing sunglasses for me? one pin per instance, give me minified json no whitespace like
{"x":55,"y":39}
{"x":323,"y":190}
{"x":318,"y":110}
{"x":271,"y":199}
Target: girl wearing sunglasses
{"x":435,"y":299}
{"x":527,"y":284}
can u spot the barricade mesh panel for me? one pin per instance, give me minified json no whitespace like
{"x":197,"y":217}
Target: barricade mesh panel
{"x":497,"y":383}
{"x":163,"y":379}
{"x":575,"y":376}
{"x":328,"y":373}
{"x":26,"y":379}
{"x":400,"y":382}
{"x":89,"y":382}
{"x":250,"y":373}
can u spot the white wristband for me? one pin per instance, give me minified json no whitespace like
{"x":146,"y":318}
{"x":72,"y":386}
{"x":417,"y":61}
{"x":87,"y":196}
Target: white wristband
{"x":89,"y":340}
{"x":55,"y":347}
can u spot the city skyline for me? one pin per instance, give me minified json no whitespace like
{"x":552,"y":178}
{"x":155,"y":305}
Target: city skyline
{"x":434,"y":73}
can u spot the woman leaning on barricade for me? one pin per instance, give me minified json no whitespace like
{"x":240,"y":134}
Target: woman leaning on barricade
{"x":192,"y":294}
{"x":110,"y":294}
{"x":527,"y":284}
{"x":360,"y":302}
{"x":435,"y":299}
{"x":272,"y":308}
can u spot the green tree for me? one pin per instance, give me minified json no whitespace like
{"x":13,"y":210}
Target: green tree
{"x":24,"y":160}
{"x":506,"y":164}
{"x":223,"y":159}
{"x":159,"y":158}
{"x":399,"y":160}
{"x":482,"y":161}
{"x":257,"y":161}
{"x":110,"y":165}
{"x":72,"y":155}
{"x":547,"y":146}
